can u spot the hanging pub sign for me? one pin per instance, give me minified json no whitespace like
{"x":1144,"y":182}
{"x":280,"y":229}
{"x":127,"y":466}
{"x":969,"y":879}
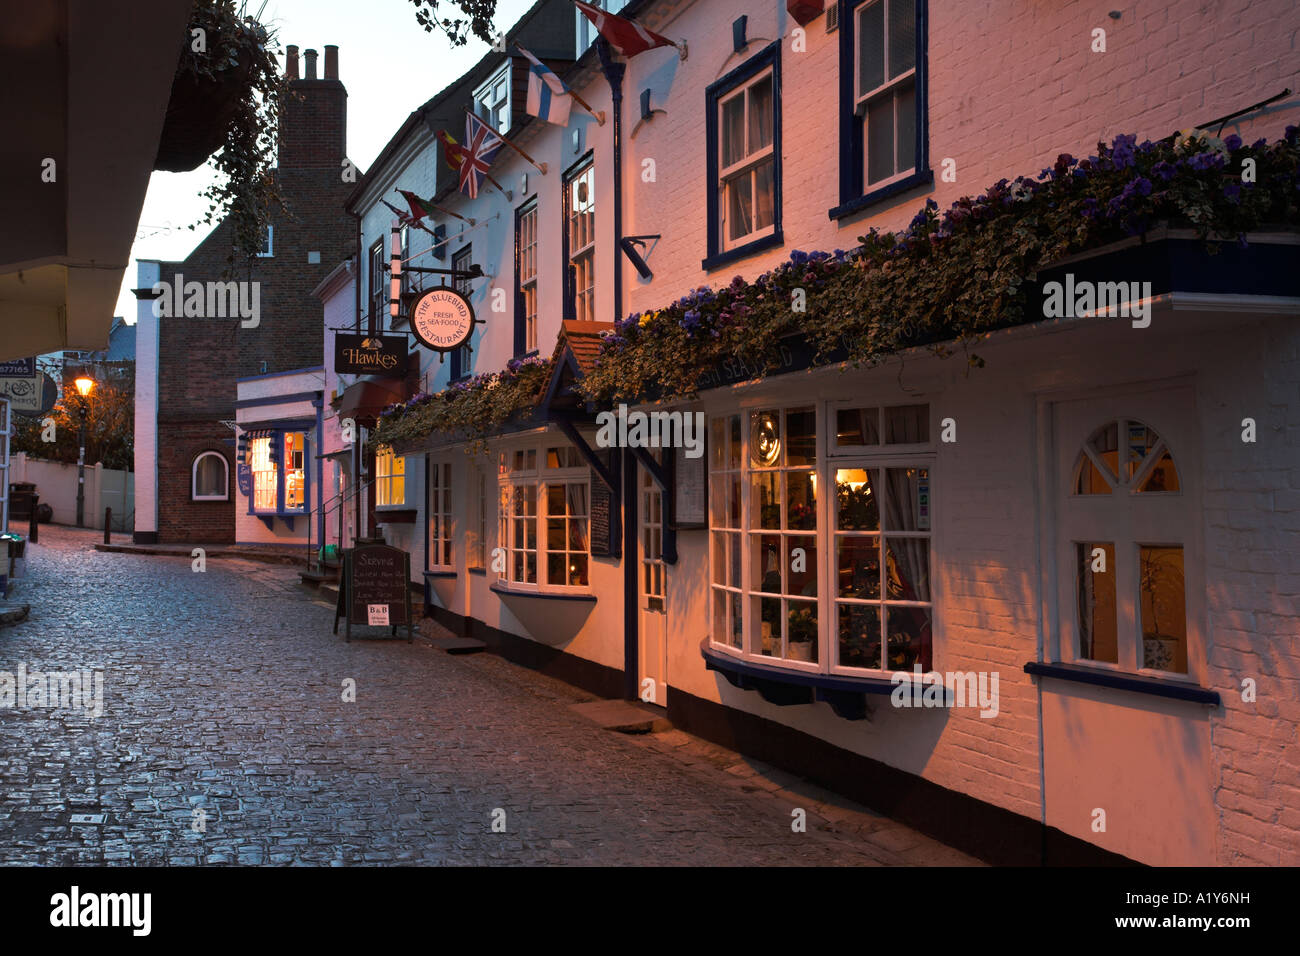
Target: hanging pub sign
{"x":30,"y":395}
{"x":442,"y":319}
{"x":383,"y":355}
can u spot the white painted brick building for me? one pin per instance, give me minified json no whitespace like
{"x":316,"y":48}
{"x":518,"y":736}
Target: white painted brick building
{"x":1163,"y":749}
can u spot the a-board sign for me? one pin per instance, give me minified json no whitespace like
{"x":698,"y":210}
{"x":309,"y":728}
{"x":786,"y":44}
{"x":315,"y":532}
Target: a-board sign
{"x":442,"y":319}
{"x":374,"y":589}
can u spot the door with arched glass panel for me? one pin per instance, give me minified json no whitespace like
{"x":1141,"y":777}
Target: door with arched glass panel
{"x":1126,"y":541}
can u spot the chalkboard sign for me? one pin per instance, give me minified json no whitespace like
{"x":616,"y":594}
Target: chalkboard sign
{"x":374,"y":590}
{"x":602,"y":540}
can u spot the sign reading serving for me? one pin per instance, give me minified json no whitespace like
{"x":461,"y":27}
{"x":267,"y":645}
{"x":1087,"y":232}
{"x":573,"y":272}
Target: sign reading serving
{"x":370,"y":354}
{"x":374,"y":590}
{"x":442,"y":319}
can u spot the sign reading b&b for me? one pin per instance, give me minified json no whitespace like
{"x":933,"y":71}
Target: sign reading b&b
{"x":370,"y":354}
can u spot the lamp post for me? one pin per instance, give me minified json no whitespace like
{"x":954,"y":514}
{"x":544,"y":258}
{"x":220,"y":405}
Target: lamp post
{"x":85,"y":384}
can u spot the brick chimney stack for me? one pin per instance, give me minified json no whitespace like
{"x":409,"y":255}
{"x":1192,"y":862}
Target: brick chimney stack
{"x":313,"y":124}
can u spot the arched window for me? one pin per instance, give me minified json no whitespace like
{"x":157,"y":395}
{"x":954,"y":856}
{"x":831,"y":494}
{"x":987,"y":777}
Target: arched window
{"x":210,"y":477}
{"x":1145,"y":466}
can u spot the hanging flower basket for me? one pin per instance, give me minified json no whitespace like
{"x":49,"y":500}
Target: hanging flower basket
{"x":198,"y":114}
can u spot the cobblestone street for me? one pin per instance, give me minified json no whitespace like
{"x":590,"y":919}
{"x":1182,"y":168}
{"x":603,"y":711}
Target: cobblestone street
{"x":223,"y":694}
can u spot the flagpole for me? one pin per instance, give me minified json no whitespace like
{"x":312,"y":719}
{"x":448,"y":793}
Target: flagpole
{"x":445,"y":212}
{"x":541,"y":167}
{"x":600,"y":117}
{"x":443,"y":242}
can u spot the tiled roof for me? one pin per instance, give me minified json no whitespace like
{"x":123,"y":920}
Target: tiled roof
{"x":583,"y":340}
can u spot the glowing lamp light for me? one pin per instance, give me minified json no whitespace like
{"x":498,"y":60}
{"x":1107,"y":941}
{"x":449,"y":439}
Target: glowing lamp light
{"x":85,"y":384}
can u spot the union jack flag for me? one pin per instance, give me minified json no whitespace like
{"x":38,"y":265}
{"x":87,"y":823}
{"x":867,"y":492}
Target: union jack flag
{"x":481,"y":147}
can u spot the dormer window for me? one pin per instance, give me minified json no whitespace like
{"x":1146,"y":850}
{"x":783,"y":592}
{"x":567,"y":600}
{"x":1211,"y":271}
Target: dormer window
{"x":492,"y":100}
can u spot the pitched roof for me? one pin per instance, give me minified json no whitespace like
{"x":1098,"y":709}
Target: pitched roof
{"x":583,"y":340}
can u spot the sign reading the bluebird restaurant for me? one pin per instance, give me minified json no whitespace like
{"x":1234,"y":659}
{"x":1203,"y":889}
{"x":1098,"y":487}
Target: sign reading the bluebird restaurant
{"x":442,"y":319}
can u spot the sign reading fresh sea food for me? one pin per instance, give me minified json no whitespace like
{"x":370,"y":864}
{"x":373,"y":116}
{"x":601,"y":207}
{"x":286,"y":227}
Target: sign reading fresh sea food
{"x":370,"y":354}
{"x":442,"y":319}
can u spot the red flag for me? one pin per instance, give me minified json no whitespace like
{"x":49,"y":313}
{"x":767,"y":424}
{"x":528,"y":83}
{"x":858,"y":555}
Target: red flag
{"x":626,"y":36}
{"x":419,"y":207}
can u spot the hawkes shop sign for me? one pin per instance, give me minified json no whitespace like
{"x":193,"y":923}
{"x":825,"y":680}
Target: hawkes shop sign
{"x":370,"y":354}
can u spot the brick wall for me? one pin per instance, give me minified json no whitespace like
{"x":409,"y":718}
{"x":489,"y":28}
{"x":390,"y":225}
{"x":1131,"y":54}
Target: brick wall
{"x":200,"y":359}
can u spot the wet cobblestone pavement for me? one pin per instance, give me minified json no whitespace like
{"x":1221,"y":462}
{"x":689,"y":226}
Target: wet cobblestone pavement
{"x":223,"y":702}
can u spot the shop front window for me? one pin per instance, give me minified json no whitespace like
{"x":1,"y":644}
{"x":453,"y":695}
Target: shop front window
{"x":277,"y":460}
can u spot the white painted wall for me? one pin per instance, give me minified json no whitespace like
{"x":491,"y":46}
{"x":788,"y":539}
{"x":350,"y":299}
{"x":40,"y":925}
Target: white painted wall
{"x":146,"y":402}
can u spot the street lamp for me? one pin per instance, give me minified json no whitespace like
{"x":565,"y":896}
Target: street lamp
{"x":85,"y":385}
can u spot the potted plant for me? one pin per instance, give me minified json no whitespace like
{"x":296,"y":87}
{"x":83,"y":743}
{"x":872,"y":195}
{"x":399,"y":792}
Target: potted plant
{"x":801,"y":632}
{"x":225,"y":103}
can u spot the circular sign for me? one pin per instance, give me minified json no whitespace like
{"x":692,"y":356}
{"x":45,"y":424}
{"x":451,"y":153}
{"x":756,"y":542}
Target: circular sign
{"x":442,"y":319}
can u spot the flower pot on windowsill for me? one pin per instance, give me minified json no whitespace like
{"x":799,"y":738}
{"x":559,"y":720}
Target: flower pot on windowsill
{"x":801,"y":650}
{"x":1158,"y":651}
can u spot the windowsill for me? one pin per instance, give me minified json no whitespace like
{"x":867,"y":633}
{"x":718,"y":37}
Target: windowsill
{"x":210,"y":499}
{"x":1137,"y":683}
{"x":924,"y":177}
{"x":482,"y":571}
{"x":441,"y":573}
{"x":785,"y":686}
{"x":720,"y":259}
{"x":544,"y":595}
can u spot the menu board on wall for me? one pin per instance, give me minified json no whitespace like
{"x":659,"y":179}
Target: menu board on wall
{"x":690,"y":486}
{"x":603,"y":542}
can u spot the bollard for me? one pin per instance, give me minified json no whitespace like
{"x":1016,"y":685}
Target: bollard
{"x":108,"y":525}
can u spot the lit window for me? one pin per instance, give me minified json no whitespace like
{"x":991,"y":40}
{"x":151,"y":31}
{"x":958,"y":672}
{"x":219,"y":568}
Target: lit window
{"x":477,"y":543}
{"x":580,"y":243}
{"x":390,"y":477}
{"x":544,"y":518}
{"x":768,"y":542}
{"x":210,"y":477}
{"x":266,"y":475}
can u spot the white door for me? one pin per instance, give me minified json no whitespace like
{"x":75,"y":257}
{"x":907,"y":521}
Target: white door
{"x":652,"y":648}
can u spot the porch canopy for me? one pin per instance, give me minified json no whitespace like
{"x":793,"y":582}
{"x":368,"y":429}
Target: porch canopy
{"x":365,"y":399}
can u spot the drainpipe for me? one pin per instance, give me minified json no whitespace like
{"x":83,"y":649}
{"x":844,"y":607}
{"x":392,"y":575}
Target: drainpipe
{"x":614,"y":74}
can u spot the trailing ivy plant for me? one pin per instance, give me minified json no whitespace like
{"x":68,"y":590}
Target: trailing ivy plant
{"x":471,"y":409}
{"x":245,"y":193}
{"x":944,"y":283}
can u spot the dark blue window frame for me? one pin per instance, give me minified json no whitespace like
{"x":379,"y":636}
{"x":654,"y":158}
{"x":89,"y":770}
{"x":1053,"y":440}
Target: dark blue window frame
{"x":276,"y":435}
{"x":521,"y":332}
{"x":463,"y":287}
{"x":570,"y":286}
{"x":769,"y":56}
{"x":854,"y":196}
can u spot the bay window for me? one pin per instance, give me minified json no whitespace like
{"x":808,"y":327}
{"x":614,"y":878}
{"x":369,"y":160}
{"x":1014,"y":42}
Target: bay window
{"x":831,"y":582}
{"x":543,"y":520}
